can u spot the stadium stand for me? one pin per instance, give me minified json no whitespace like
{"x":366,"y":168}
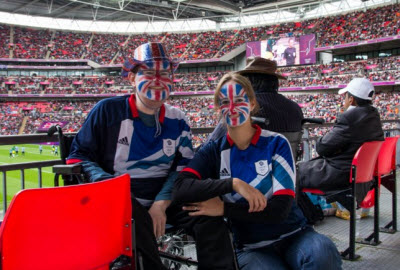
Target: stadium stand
{"x":112,"y":48}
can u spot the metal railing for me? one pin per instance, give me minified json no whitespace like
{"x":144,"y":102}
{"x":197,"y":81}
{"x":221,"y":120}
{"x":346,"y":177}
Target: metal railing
{"x":24,"y":139}
{"x":308,"y":151}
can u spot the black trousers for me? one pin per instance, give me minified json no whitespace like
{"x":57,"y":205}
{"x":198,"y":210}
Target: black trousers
{"x":213,"y":244}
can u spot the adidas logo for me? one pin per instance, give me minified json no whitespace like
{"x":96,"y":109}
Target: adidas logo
{"x":124,"y":141}
{"x":224,"y":172}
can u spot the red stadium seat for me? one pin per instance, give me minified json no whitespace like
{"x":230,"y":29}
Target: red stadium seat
{"x":385,"y":169}
{"x":386,"y":174}
{"x":85,"y":226}
{"x":362,"y":171}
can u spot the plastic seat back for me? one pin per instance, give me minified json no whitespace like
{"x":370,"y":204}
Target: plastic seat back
{"x":386,"y":163}
{"x":387,"y":156}
{"x":365,"y":160}
{"x":75,"y":227}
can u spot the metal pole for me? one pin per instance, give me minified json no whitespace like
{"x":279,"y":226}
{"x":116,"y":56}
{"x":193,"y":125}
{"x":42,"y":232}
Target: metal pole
{"x":352,"y":244}
{"x":40,"y":176}
{"x":376,"y":211}
{"x":4,"y":192}
{"x":394,"y":201}
{"x":22,"y":179}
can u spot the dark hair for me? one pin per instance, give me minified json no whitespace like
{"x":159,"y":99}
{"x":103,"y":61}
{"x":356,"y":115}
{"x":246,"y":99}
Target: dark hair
{"x":360,"y":102}
{"x":263,"y":82}
{"x":135,"y":69}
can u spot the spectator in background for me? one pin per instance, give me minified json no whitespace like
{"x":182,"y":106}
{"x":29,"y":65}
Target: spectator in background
{"x":358,"y":124}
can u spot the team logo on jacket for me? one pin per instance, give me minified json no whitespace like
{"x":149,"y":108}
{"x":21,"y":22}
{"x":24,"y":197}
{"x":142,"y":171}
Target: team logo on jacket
{"x":262,"y":167}
{"x":168,"y":147}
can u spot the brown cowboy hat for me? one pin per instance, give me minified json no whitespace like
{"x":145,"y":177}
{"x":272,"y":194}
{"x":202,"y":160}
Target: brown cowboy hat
{"x":261,"y":65}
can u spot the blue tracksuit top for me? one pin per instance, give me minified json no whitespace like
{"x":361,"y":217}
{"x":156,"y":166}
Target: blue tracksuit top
{"x":116,"y":139}
{"x":267,"y":165}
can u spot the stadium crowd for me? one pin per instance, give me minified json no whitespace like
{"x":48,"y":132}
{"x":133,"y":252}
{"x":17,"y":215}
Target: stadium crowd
{"x":199,"y":111}
{"x":112,"y":49}
{"x":376,"y":69}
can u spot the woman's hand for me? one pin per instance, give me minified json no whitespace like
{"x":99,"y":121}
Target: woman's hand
{"x":213,"y":207}
{"x":257,"y":201}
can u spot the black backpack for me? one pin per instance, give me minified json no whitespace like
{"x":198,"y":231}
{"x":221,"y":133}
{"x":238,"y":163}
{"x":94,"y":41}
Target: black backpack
{"x":312,"y":212}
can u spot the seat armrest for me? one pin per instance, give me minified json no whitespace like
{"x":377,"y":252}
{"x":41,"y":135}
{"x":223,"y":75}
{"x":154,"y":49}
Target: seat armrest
{"x":68,"y":169}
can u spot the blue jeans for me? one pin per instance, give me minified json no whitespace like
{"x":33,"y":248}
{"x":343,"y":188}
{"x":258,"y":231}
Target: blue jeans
{"x":306,"y":249}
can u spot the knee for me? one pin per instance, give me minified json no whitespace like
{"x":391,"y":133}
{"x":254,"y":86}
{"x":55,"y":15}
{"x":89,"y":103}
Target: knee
{"x":254,"y":261}
{"x":322,"y":253}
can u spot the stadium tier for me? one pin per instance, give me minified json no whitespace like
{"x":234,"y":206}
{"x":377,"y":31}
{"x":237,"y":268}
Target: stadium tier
{"x":381,"y":71}
{"x":17,"y":42}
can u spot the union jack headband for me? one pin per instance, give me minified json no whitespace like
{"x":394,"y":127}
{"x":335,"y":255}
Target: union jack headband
{"x":146,"y":54}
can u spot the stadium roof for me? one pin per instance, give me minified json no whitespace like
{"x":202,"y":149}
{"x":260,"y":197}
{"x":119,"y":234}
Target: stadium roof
{"x":130,"y":16}
{"x":139,"y":10}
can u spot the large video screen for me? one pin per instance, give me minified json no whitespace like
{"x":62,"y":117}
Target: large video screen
{"x":286,"y":51}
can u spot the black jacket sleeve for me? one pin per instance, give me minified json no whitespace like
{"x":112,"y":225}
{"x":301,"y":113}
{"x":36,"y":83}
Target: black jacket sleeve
{"x":188,"y":188}
{"x":277,"y":210}
{"x":94,"y":172}
{"x":336,"y":140}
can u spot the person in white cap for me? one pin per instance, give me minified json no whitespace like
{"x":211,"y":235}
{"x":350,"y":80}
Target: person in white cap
{"x":358,"y":124}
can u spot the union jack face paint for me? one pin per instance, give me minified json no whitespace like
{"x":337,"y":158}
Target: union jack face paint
{"x":234,"y":104}
{"x":154,"y":80}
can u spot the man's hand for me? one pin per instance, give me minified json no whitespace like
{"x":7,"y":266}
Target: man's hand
{"x":257,"y":201}
{"x":157,"y":213}
{"x":213,"y":207}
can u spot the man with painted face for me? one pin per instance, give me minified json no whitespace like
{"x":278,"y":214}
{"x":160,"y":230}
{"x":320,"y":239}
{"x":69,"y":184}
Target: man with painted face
{"x":140,"y":135}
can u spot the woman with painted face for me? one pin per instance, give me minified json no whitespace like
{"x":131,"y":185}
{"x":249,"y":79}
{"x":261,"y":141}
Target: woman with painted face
{"x":248,"y":176}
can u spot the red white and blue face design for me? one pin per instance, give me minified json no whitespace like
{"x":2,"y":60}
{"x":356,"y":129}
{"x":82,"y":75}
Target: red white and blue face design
{"x":234,"y":104}
{"x":154,"y":80}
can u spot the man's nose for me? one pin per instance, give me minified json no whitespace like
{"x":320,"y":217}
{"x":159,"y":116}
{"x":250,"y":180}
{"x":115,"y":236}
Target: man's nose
{"x":157,"y":78}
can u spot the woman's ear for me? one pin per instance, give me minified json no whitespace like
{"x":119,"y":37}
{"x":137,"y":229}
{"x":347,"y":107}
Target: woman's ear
{"x":252,"y":105}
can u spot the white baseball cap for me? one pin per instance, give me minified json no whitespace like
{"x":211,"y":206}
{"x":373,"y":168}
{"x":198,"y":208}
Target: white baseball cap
{"x":359,"y":87}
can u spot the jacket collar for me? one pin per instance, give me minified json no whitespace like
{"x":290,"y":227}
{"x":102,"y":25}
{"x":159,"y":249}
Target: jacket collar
{"x":135,"y":113}
{"x":254,"y":140}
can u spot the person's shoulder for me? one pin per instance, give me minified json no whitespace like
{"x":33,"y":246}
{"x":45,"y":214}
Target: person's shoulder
{"x":173,"y":112}
{"x":357,"y":111}
{"x":217,"y":145}
{"x":290,"y":103}
{"x":268,"y":137}
{"x":110,"y":103}
{"x":113,"y":101}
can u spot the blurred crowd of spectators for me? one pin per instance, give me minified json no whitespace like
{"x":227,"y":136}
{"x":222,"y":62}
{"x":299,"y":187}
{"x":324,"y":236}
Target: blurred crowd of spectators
{"x":199,"y":111}
{"x":113,"y":49}
{"x":377,"y":69}
{"x":360,"y":25}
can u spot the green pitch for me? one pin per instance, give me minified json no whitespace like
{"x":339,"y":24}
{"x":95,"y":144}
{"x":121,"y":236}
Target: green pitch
{"x":31,"y":175}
